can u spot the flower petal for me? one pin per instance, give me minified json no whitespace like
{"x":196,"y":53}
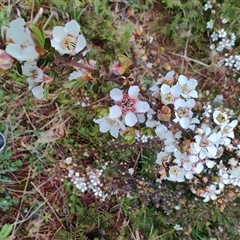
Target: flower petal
{"x":133,"y":91}
{"x":81,"y":43}
{"x":115,"y":112}
{"x":116,"y":94}
{"x":130,"y":119}
{"x":142,"y":106}
{"x":38,"y":92}
{"x":59,"y":33}
{"x":73,"y":28}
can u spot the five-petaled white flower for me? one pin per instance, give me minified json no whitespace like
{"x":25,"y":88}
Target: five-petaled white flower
{"x":188,"y":87}
{"x":66,"y":40}
{"x":127,"y":105}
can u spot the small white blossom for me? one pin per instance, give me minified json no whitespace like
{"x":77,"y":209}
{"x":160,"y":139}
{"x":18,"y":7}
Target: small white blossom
{"x":207,"y":5}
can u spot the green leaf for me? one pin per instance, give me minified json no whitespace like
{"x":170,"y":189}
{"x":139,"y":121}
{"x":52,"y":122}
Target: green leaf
{"x":5,"y":231}
{"x":38,"y":35}
{"x":70,"y":84}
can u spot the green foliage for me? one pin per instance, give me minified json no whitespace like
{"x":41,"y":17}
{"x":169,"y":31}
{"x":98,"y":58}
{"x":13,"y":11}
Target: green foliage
{"x":186,"y":21}
{"x":5,"y":231}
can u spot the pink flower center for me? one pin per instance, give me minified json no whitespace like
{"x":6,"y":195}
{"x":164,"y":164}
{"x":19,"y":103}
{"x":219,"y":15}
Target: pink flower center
{"x":127,"y":104}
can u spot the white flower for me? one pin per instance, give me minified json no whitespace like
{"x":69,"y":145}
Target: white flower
{"x":68,"y":160}
{"x":170,"y":94}
{"x":162,"y":157}
{"x":127,"y":105}
{"x":155,"y":88}
{"x":214,"y":36}
{"x":20,"y":44}
{"x":109,"y":124}
{"x":211,"y":193}
{"x":207,"y":5}
{"x":219,"y":117}
{"x":177,"y":227}
{"x":183,"y":112}
{"x":35,"y":78}
{"x":66,"y":40}
{"x":222,"y":33}
{"x":131,"y":171}
{"x":188,"y":87}
{"x":227,"y":129}
{"x":176,"y":174}
{"x":229,"y":62}
{"x":205,"y":143}
{"x":210,"y":24}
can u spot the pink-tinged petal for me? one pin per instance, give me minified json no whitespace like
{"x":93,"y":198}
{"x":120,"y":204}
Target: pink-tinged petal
{"x":73,"y":28}
{"x":116,"y":94}
{"x":59,"y":33}
{"x":130,"y":119}
{"x":182,"y":80}
{"x":115,"y":112}
{"x":133,"y":91}
{"x":141,"y":106}
{"x":81,"y":43}
{"x":5,"y":60}
{"x":38,"y":92}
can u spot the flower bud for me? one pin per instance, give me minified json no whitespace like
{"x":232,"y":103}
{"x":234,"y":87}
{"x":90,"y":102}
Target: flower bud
{"x":5,"y":60}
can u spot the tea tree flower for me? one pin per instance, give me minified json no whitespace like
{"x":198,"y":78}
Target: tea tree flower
{"x":207,"y":5}
{"x":35,"y":78}
{"x":20,"y":44}
{"x":211,"y":193}
{"x":67,"y":40}
{"x":127,"y":105}
{"x":210,"y":24}
{"x":170,"y":94}
{"x":109,"y":124}
{"x":183,"y":111}
{"x":188,"y":87}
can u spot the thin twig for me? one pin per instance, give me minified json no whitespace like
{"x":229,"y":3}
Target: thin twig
{"x":190,"y":59}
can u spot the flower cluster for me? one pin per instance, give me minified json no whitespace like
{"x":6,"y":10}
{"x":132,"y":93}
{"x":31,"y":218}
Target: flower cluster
{"x":172,"y":117}
{"x":88,"y":182}
{"x":222,"y":41}
{"x":128,"y":110}
{"x":21,"y":45}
